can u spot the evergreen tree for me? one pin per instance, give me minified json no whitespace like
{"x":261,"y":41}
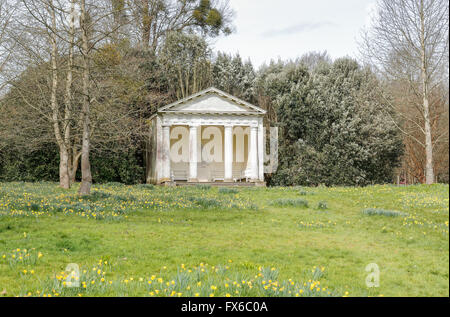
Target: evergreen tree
{"x":232,"y":75}
{"x":332,"y":126}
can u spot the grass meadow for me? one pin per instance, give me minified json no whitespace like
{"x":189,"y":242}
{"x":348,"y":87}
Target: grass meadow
{"x":147,"y":240}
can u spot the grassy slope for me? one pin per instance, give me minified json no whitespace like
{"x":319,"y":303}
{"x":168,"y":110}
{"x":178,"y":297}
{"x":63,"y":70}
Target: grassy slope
{"x":412,"y":252}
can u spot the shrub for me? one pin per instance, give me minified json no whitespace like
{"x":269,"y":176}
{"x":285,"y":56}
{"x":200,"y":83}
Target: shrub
{"x":382,"y":212}
{"x":290,"y":202}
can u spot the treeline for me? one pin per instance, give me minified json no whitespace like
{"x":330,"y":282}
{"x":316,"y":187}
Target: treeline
{"x":333,"y":129}
{"x":77,"y":97}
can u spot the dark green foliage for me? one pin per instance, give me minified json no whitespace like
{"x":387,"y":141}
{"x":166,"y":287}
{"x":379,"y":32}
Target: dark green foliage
{"x":125,"y":167}
{"x":37,"y":165}
{"x":333,"y":126}
{"x":122,"y":167}
{"x":43,"y":165}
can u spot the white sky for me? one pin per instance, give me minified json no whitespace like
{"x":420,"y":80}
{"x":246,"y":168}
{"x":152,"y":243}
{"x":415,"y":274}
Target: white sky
{"x":269,"y":29}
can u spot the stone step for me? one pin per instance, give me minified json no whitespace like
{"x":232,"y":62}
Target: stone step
{"x":219,"y":184}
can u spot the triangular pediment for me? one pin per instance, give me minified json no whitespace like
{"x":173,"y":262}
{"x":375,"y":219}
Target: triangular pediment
{"x":212,"y":100}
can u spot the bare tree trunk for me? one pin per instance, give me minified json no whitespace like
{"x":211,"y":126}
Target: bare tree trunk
{"x":75,"y":160}
{"x":429,"y":173}
{"x":64,"y":179}
{"x":86,"y":176}
{"x":68,"y":95}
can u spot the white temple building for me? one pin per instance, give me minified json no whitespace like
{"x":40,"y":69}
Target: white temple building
{"x":210,"y":136}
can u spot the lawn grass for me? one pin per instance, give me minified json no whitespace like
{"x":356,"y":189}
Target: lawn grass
{"x":195,"y":241}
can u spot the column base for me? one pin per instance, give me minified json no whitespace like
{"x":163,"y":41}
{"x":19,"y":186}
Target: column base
{"x":192,"y":180}
{"x":164,"y":180}
{"x":228,"y":180}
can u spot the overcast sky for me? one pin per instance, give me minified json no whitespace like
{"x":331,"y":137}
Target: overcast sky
{"x":268,"y":29}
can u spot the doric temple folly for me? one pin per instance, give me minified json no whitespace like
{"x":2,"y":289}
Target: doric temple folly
{"x":210,"y":136}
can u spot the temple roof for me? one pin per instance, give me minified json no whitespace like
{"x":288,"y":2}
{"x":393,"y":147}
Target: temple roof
{"x":211,"y":101}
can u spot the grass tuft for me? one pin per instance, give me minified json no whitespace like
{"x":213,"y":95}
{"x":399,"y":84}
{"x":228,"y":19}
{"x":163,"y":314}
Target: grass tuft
{"x":227,"y":190}
{"x":382,"y":212}
{"x":290,"y":202}
{"x":322,"y":205}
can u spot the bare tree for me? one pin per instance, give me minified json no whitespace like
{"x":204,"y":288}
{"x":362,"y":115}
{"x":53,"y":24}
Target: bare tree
{"x":42,"y":34}
{"x":408,"y":41}
{"x":86,"y":176}
{"x":95,"y":16}
{"x":6,"y":16}
{"x":72,"y":161}
{"x":414,"y":158}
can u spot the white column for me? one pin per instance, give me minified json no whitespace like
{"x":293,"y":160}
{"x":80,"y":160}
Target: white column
{"x":253,"y":155}
{"x":166,"y":154}
{"x":228,"y":147}
{"x":193,"y":153}
{"x":261,"y":151}
{"x":159,"y":142}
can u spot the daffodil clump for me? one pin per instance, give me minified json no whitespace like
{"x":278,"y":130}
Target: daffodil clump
{"x":21,"y":256}
{"x":112,"y":201}
{"x":416,"y":221}
{"x":203,"y":280}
